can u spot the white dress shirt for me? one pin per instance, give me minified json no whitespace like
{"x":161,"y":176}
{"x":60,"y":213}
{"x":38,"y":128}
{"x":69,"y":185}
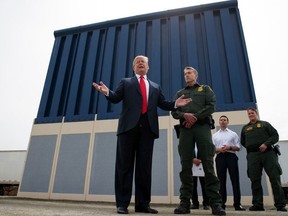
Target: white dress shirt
{"x":226,"y":137}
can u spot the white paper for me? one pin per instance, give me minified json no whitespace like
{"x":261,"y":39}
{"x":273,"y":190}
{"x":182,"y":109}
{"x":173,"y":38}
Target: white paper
{"x":198,"y":170}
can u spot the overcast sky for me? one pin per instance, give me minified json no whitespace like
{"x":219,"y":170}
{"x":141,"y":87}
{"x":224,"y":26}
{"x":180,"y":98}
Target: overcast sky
{"x":27,"y":40}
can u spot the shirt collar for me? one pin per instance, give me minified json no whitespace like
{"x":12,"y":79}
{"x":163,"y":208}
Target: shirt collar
{"x":226,"y":129}
{"x":250,"y":123}
{"x":195,"y":85}
{"x":144,"y":76}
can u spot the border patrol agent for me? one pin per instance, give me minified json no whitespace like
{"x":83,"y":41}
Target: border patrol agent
{"x":258,"y":138}
{"x":194,"y":127}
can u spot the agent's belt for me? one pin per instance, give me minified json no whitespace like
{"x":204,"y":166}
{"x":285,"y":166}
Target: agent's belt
{"x":257,"y":150}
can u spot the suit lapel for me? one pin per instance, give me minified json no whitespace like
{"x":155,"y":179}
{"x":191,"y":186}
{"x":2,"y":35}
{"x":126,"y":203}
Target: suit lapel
{"x":135,"y":82}
{"x":150,"y":89}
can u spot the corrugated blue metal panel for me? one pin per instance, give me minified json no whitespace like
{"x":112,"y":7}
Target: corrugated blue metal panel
{"x":207,"y":37}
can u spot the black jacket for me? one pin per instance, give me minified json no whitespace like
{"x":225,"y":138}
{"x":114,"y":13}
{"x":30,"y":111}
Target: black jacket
{"x":128,"y":91}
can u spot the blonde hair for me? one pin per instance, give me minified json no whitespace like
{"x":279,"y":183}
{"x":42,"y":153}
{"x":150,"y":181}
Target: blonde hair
{"x":140,"y":56}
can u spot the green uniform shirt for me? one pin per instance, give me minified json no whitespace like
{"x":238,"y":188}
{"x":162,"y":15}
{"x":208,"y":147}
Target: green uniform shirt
{"x":254,"y":135}
{"x":202,"y":105}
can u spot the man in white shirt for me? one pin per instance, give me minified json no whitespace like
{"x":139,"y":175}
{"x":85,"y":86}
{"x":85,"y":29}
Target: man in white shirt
{"x":227,"y":143}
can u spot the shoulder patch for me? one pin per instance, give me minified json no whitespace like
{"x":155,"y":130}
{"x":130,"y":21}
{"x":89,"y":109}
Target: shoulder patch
{"x":206,"y":87}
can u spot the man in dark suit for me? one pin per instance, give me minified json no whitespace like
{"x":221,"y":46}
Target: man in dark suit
{"x":138,"y":127}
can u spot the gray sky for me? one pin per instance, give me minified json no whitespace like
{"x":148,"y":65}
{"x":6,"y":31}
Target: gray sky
{"x":27,"y":40}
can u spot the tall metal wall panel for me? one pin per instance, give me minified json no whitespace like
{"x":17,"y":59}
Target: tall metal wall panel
{"x":207,"y":37}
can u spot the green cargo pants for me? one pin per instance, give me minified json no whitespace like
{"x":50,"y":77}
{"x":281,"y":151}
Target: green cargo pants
{"x":201,"y":135}
{"x":256,"y":161}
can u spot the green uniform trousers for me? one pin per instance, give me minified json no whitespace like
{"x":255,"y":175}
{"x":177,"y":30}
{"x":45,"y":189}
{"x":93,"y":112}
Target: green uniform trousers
{"x":201,"y":135}
{"x":256,"y":161}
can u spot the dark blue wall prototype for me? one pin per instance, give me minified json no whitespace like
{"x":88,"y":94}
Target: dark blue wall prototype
{"x":207,"y":37}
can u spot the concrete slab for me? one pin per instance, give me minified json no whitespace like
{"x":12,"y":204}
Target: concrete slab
{"x":16,"y":206}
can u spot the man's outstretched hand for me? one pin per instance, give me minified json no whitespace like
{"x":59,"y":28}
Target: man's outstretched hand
{"x":181,"y":101}
{"x":101,"y":87}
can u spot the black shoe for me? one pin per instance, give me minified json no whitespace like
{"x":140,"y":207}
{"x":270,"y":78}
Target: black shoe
{"x":194,"y":206}
{"x":122,"y":210}
{"x":146,"y":210}
{"x":218,"y":210}
{"x":181,"y":209}
{"x":256,"y":208}
{"x":206,"y":207}
{"x":239,"y":208}
{"x":283,"y":209}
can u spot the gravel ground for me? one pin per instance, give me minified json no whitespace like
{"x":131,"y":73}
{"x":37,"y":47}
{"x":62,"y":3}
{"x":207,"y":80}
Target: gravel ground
{"x":34,"y":207}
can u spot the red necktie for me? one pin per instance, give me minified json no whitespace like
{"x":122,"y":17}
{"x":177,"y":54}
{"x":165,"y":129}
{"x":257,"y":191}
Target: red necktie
{"x":144,"y":95}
